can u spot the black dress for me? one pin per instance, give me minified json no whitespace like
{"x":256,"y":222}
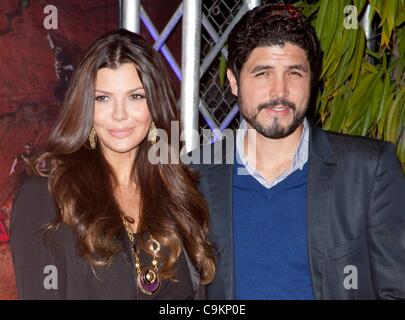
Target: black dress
{"x":55,"y":271}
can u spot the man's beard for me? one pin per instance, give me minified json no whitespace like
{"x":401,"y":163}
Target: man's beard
{"x":274,"y":130}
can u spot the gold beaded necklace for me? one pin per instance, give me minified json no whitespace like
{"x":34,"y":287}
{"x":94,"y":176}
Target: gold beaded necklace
{"x":147,"y":279}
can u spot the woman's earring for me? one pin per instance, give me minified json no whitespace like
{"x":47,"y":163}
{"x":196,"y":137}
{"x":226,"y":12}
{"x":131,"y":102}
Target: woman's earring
{"x":153,"y":133}
{"x":93,"y":138}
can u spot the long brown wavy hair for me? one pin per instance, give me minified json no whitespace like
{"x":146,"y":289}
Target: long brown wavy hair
{"x":82,"y":182}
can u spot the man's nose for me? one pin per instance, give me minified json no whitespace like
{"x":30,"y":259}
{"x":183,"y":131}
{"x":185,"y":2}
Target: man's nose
{"x":279,"y":87}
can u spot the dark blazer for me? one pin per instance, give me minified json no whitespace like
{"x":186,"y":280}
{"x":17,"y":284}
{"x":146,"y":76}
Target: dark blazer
{"x":356,"y":216}
{"x":34,"y":208}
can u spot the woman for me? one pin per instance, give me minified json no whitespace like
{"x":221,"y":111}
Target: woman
{"x":116,"y":226}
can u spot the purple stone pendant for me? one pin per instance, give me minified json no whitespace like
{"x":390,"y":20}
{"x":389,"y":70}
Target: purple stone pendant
{"x":149,"y":281}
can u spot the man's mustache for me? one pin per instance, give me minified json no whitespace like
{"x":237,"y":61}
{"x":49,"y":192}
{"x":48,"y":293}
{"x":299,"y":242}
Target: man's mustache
{"x":276,"y":102}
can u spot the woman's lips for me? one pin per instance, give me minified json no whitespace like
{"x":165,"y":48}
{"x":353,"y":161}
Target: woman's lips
{"x":120,"y":133}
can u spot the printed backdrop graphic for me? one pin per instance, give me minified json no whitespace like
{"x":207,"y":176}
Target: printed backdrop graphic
{"x":36,"y":64}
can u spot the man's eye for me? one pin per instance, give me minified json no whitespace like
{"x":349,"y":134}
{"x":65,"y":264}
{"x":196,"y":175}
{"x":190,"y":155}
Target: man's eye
{"x":262,"y":74}
{"x":295,"y":73}
{"x":137,"y":96}
{"x":101,"y":98}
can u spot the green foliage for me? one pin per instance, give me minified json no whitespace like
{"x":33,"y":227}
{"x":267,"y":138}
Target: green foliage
{"x":222,"y":71}
{"x":358,"y":97}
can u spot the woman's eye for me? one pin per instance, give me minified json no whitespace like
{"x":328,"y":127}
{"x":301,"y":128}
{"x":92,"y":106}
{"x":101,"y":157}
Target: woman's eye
{"x":101,"y":98}
{"x":137,"y":96}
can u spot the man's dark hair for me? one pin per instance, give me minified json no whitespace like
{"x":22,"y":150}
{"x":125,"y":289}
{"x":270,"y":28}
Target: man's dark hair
{"x":272,"y":25}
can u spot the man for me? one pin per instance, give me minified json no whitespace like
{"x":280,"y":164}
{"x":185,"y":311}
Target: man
{"x":63,"y":67}
{"x":24,"y":157}
{"x":302,"y":213}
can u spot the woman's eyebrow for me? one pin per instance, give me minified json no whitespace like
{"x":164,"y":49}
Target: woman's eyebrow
{"x":107,"y":92}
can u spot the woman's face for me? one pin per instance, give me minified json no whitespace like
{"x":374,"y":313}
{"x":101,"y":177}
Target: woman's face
{"x":121,"y":116}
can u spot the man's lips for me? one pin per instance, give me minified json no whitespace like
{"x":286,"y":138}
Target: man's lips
{"x":278,"y":107}
{"x":120,"y":133}
{"x":279,"y":110}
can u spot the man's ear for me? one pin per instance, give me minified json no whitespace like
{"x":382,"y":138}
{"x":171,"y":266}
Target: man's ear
{"x":232,"y":81}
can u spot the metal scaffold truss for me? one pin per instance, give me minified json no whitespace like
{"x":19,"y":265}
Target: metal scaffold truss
{"x":205,"y":29}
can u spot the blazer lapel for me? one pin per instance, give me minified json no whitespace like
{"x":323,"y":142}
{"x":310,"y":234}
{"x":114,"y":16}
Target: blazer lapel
{"x":321,"y":164}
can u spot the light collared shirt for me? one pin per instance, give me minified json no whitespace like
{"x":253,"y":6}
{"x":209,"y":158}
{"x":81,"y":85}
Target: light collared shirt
{"x":299,"y":160}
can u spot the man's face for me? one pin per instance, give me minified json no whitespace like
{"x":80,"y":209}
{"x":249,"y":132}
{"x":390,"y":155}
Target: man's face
{"x":274,"y":89}
{"x":27,"y":150}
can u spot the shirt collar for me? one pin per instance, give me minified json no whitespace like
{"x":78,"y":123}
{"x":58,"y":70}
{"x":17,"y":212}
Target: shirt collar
{"x":299,"y":160}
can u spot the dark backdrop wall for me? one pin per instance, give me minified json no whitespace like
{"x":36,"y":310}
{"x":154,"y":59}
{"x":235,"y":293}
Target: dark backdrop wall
{"x":35,"y":67}
{"x":160,"y":12}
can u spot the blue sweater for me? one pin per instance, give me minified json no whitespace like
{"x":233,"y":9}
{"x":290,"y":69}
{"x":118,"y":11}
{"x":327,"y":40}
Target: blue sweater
{"x":270,"y":238}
